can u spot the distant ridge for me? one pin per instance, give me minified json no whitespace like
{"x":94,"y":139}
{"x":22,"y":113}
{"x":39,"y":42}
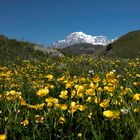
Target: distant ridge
{"x":83,"y":48}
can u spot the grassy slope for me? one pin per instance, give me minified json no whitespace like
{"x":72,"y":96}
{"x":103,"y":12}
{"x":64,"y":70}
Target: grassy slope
{"x":127,"y":46}
{"x":12,"y":51}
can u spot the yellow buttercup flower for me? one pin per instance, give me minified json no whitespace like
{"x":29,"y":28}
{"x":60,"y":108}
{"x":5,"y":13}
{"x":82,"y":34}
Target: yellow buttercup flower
{"x":109,"y":88}
{"x":111,"y":114}
{"x":49,"y":76}
{"x":57,"y":105}
{"x":63,"y":107}
{"x":63,"y":94}
{"x":82,"y":79}
{"x":22,"y":101}
{"x":136,"y":97}
{"x":96,"y":79}
{"x":61,"y":120}
{"x":136,"y":110}
{"x":3,"y":136}
{"x":73,"y":107}
{"x":79,"y":88}
{"x":79,"y":135}
{"x":12,"y":95}
{"x":73,"y":92}
{"x":97,"y":100}
{"x":81,"y":107}
{"x":99,"y":89}
{"x":43,"y":92}
{"x":25,"y":122}
{"x":93,"y":86}
{"x":105,"y":103}
{"x":50,"y":101}
{"x":126,"y":90}
{"x":89,"y":99}
{"x":68,"y":85}
{"x":137,"y":75}
{"x":90,"y":92}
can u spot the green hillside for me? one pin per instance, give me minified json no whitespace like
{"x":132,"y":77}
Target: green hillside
{"x":127,"y":46}
{"x":12,"y":51}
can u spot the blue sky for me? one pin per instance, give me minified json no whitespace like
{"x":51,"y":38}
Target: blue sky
{"x":46,"y":21}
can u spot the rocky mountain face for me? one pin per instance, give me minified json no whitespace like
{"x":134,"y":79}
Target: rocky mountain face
{"x":80,"y":37}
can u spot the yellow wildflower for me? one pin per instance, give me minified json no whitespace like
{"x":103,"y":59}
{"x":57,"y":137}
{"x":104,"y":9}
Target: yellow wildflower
{"x":82,"y":79}
{"x":137,"y":75}
{"x":25,"y":122}
{"x":12,"y":95}
{"x":68,"y":85}
{"x":99,"y":89}
{"x":61,"y":120}
{"x":97,"y":100}
{"x":105,"y":103}
{"x":63,"y":106}
{"x":51,"y":86}
{"x":111,"y":114}
{"x":89,"y":99}
{"x":109,"y":88}
{"x":79,"y":135}
{"x":49,"y":76}
{"x":63,"y":94}
{"x":136,"y":97}
{"x":50,"y":101}
{"x":73,"y":92}
{"x":57,"y":105}
{"x":73,"y":107}
{"x":126,"y":90}
{"x":22,"y":101}
{"x":93,"y":86}
{"x":136,"y":83}
{"x":90,"y":92}
{"x":96,"y":79}
{"x":3,"y":136}
{"x":43,"y":92}
{"x":81,"y":107}
{"x":79,"y":88}
{"x":136,"y":110}
{"x":36,"y":106}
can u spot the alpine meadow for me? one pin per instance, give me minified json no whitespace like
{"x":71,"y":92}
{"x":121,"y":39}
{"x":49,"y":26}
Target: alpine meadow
{"x":87,"y":96}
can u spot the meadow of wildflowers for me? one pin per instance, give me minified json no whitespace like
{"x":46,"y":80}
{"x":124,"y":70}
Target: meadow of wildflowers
{"x":70,"y":98}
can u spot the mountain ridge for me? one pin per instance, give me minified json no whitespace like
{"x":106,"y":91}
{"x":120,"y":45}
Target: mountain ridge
{"x":80,"y":37}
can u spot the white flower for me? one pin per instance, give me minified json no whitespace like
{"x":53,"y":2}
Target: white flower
{"x":91,"y":71}
{"x":124,"y":111}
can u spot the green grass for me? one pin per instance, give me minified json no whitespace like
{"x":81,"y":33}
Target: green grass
{"x":127,"y":46}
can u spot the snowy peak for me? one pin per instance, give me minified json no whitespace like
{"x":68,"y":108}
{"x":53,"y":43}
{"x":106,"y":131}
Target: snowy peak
{"x":80,"y":37}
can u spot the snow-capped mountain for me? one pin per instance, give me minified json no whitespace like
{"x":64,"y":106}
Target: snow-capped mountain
{"x":80,"y":37}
